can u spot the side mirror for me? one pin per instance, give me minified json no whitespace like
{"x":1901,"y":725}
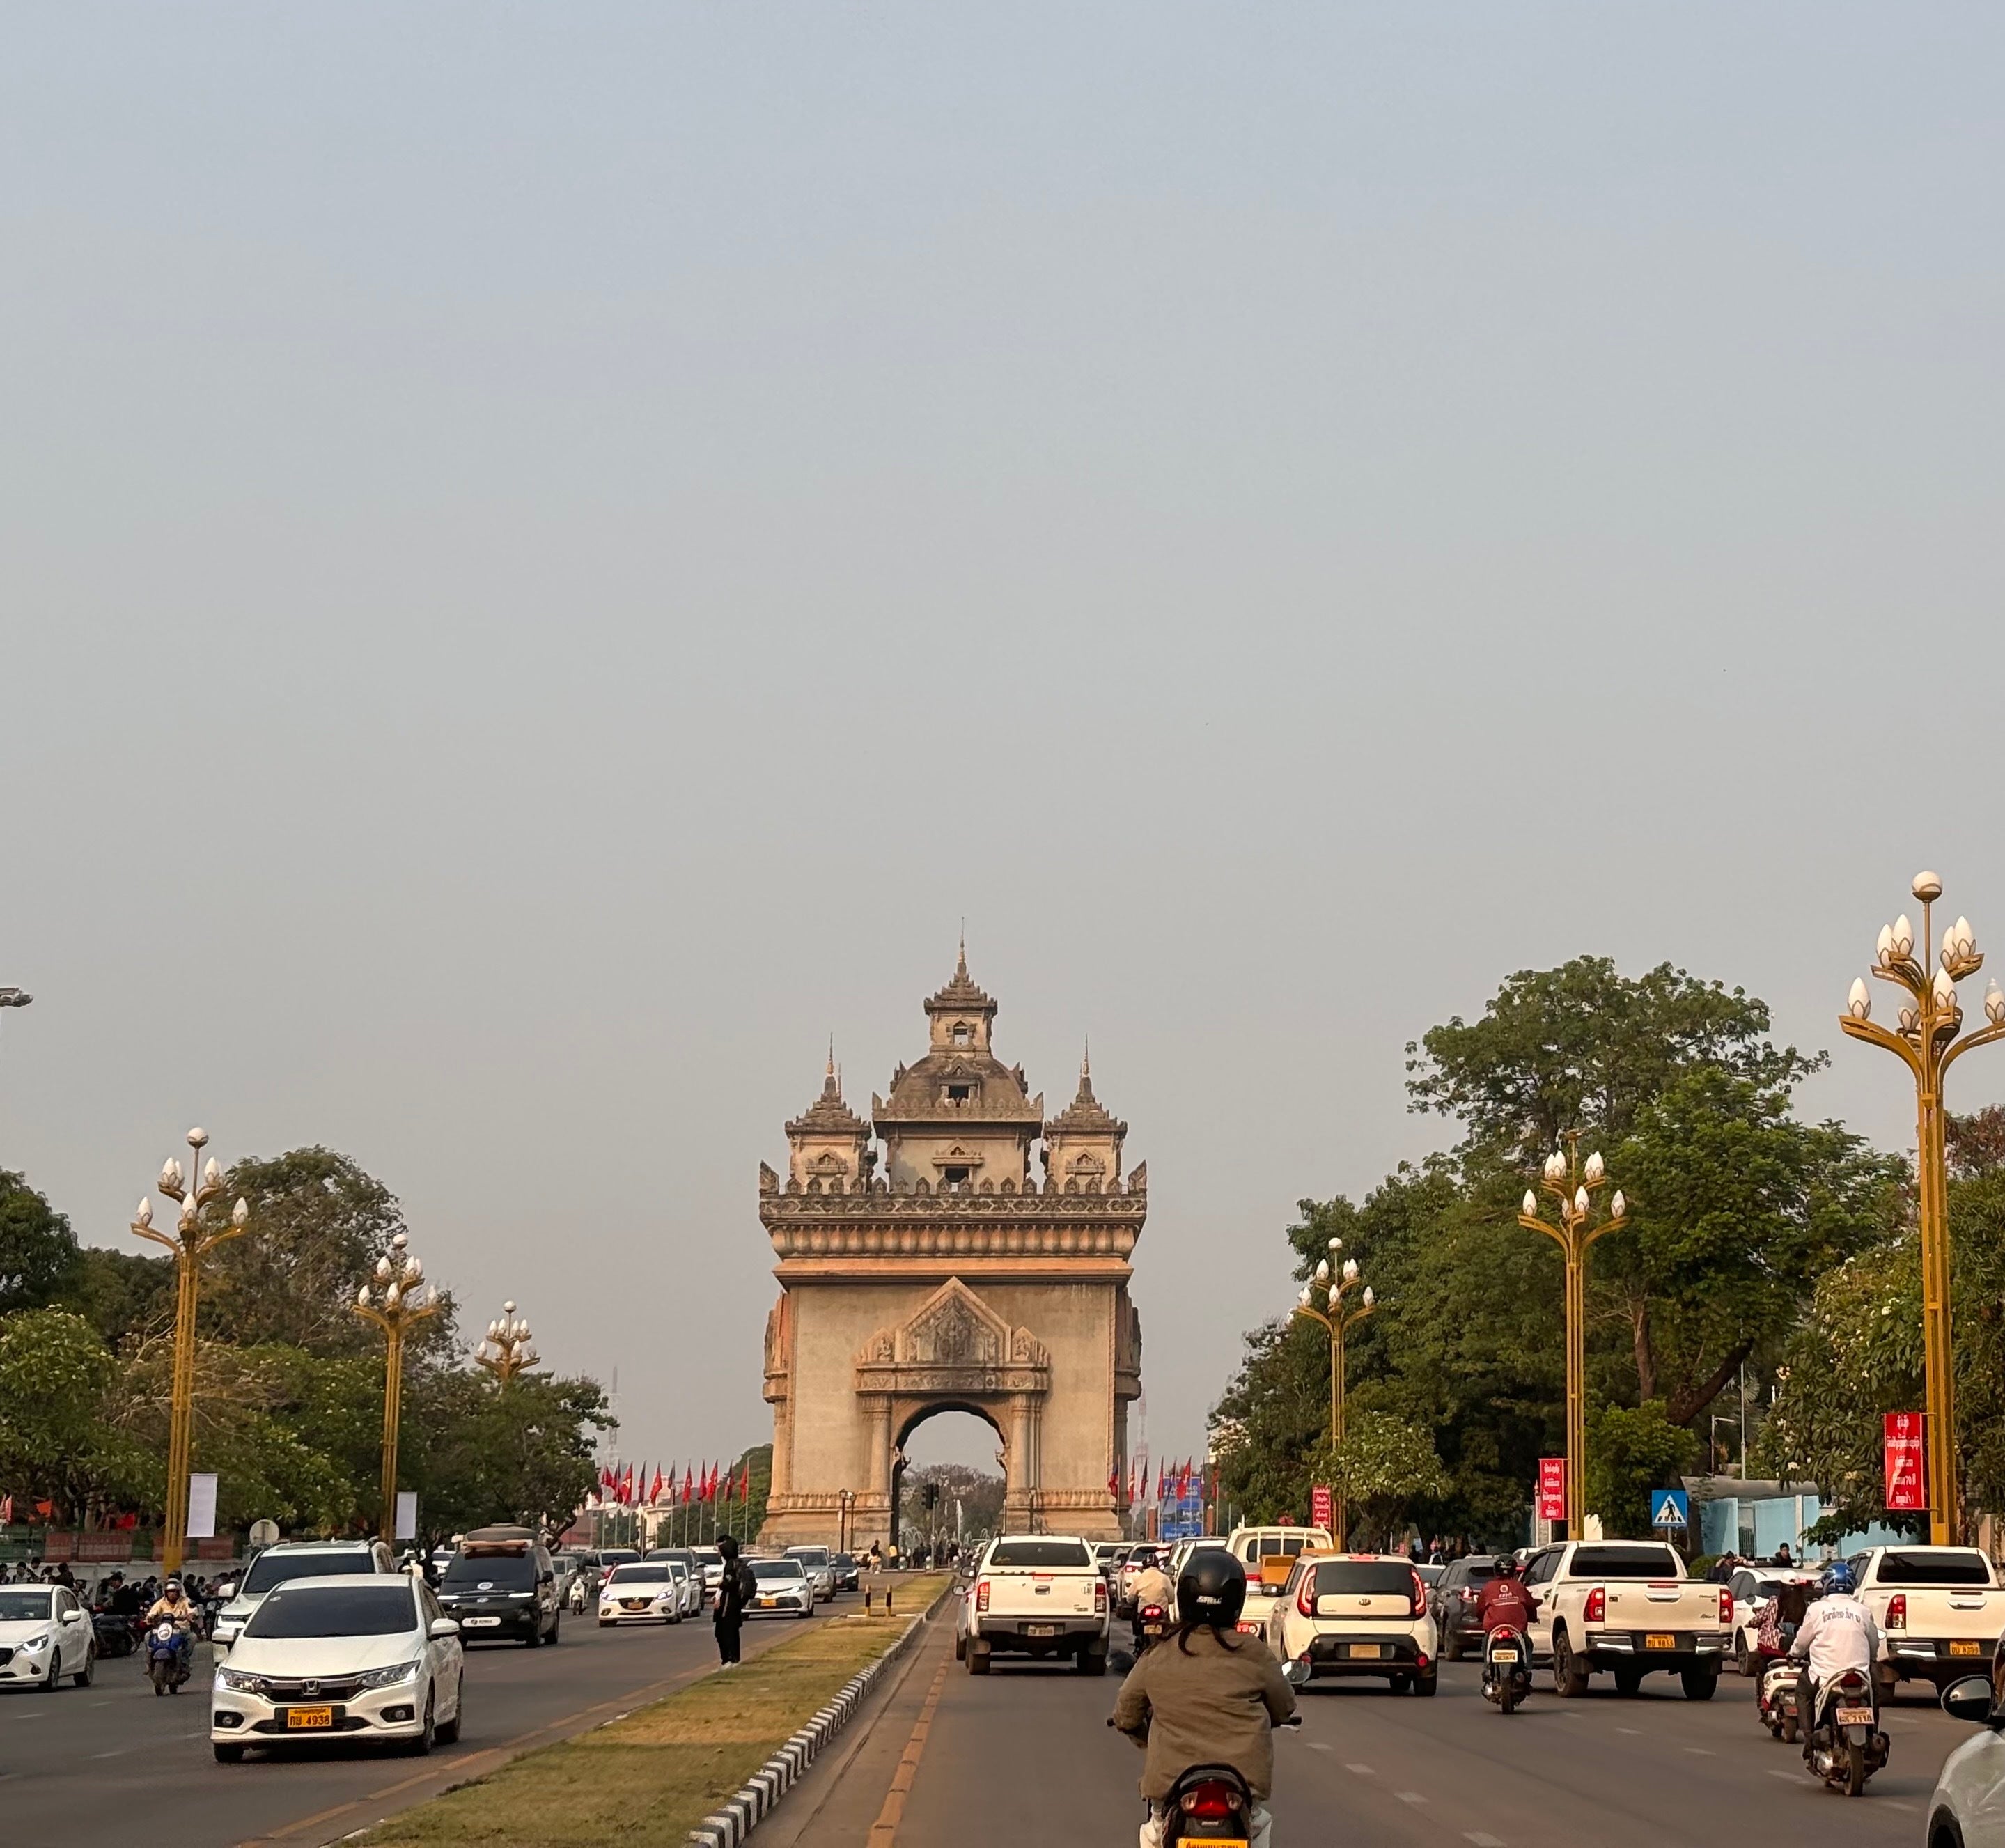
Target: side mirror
{"x":443,"y":1627}
{"x":1970,"y":1699}
{"x":1295,"y":1674}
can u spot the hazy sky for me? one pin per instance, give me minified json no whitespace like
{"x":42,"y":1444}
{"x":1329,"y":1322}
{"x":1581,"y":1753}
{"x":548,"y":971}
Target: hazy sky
{"x":552,"y":554}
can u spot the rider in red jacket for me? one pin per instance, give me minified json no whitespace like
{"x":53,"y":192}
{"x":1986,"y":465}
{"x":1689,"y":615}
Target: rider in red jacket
{"x":1504,"y":1602}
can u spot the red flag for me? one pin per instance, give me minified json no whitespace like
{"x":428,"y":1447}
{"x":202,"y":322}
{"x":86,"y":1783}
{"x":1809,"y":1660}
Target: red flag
{"x":657,"y":1496}
{"x":689,"y":1483}
{"x":1162,"y":1486}
{"x":1183,"y":1481}
{"x":745,"y":1485}
{"x":626,"y":1488}
{"x":716,"y":1470}
{"x":1113,"y":1480}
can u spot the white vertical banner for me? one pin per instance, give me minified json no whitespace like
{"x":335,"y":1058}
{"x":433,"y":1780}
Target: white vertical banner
{"x":407,"y":1515}
{"x":202,"y":1508}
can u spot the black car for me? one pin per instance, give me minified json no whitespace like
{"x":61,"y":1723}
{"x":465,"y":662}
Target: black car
{"x":502,"y":1588}
{"x":844,"y":1567}
{"x":1453,"y":1601}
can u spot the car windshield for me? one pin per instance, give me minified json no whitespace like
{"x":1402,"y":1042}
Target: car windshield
{"x":510,"y":1571}
{"x":1952,"y":1566}
{"x":1363,"y":1578}
{"x":275,"y":1567}
{"x":639,"y":1575}
{"x":1481,"y":1571}
{"x":24,"y":1607}
{"x":708,"y":1556}
{"x":384,"y":1609}
{"x":619,"y":1556}
{"x":1040,"y":1552}
{"x":777,"y":1568}
{"x":808,"y":1555}
{"x":1624,"y":1562}
{"x":844,"y":1560}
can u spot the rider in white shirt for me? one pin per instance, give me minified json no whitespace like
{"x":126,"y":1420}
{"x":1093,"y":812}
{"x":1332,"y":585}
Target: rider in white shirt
{"x":1837,"y":1633}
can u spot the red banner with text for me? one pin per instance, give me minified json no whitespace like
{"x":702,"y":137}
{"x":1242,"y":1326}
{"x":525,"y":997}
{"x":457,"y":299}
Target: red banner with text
{"x":1552,"y":1488}
{"x":1320,"y":1509}
{"x":1905,"y":1441}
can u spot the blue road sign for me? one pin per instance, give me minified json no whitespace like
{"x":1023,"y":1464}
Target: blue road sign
{"x":1669,"y":1508}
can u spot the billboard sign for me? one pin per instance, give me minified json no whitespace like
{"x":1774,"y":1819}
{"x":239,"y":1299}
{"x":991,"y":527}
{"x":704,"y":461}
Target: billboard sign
{"x":1905,"y":1443}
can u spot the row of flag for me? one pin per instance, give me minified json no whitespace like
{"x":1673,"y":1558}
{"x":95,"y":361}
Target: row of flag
{"x":706,"y":1483}
{"x":1175,"y":1482}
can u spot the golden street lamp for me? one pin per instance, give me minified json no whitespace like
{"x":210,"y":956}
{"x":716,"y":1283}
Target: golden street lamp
{"x":192,"y":1240}
{"x":508,"y":1348}
{"x":400,"y":1300}
{"x":1573,"y":1185}
{"x":1927,"y":1041}
{"x":1338,"y":1322}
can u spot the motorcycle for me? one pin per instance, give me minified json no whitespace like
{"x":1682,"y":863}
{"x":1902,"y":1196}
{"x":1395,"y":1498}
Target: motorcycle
{"x":1152,"y":1625}
{"x":1775,"y":1698}
{"x":1846,"y":1745}
{"x":117,"y":1634}
{"x":1507,"y":1667}
{"x":1211,"y":1803}
{"x":167,"y":1662}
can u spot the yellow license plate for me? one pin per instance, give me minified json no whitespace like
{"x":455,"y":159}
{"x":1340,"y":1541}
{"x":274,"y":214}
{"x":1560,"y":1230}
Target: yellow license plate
{"x":309,"y":1719}
{"x":1966,"y":1648}
{"x":1365,"y":1651}
{"x":1657,"y":1639}
{"x":765,"y":1604}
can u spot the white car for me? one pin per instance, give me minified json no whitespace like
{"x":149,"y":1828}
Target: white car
{"x":712,"y":1562}
{"x":295,"y":1559}
{"x":819,"y":1563}
{"x":45,"y":1634}
{"x":647,"y":1592}
{"x":1355,"y":1614}
{"x":354,"y":1657}
{"x":782,"y":1589}
{"x":1968,"y":1807}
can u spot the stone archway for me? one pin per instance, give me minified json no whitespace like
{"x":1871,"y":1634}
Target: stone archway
{"x":904,"y":1427}
{"x":957,"y":1276}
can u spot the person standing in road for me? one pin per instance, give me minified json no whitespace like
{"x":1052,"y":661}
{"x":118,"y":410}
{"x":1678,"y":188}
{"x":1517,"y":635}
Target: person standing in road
{"x":732,"y":1593}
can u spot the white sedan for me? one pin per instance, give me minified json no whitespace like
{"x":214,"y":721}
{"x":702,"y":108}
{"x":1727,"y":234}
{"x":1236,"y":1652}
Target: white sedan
{"x":45,"y":1634}
{"x":782,"y":1589}
{"x":648,"y":1591}
{"x":1968,"y":1807}
{"x":341,"y":1658}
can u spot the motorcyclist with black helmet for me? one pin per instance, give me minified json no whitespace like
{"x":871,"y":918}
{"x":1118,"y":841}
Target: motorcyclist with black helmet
{"x":1213,"y":1699}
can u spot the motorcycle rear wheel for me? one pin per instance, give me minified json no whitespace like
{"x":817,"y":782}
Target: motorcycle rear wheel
{"x":1855,"y":1768}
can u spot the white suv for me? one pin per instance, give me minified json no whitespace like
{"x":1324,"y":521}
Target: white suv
{"x":295,"y":1559}
{"x":1355,"y":1614}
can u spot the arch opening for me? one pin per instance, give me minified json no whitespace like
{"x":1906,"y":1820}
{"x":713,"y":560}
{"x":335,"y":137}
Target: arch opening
{"x":947,"y":1478}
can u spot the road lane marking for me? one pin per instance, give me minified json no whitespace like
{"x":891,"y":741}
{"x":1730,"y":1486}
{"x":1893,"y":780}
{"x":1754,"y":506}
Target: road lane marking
{"x":1699,"y":1752}
{"x":1316,"y":1745}
{"x":1362,"y":1770}
{"x":1790,"y":1775}
{"x":1634,"y":1732}
{"x":884,"y":1831}
{"x":1409,"y":1797}
{"x":1482,"y":1840}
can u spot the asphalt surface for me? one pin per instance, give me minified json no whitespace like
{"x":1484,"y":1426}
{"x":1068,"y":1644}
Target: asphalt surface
{"x":1023,"y":1755}
{"x":109,"y":1765}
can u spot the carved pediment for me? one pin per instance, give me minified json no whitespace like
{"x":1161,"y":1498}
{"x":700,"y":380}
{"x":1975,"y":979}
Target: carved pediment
{"x":954,"y":1340}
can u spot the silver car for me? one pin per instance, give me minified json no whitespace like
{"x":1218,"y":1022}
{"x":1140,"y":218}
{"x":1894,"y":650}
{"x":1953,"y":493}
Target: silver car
{"x":819,"y":1564}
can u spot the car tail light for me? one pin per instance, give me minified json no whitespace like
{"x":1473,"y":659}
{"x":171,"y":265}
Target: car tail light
{"x":1419,"y":1593}
{"x":1305,"y":1596}
{"x":1211,"y":1801}
{"x":1099,"y":1594}
{"x":1897,"y":1611}
{"x":1597,"y":1605}
{"x":981,"y":1596}
{"x":1725,"y":1605}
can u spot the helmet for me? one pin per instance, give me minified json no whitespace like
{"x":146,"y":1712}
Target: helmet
{"x":1211,"y":1590}
{"x":1838,"y":1578}
{"x":1506,"y":1565}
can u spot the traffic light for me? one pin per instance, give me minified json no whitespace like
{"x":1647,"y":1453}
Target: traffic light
{"x":931,"y":1496}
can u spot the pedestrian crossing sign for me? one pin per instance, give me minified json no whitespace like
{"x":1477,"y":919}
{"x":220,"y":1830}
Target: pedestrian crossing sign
{"x":1669,"y":1508}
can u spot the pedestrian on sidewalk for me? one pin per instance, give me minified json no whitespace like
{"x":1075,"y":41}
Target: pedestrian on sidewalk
{"x":733,"y":1590}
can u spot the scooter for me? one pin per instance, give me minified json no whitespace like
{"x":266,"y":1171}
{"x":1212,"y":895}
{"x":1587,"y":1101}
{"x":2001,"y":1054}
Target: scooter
{"x":166,"y":1663}
{"x":1507,"y":1667}
{"x":1152,"y":1625}
{"x":1775,"y":1698}
{"x":117,"y":1636}
{"x":1846,"y":1745}
{"x":1211,"y":1803}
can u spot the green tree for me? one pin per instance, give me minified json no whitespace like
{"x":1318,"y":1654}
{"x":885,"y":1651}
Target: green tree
{"x":1632,"y":1450}
{"x":57,"y":1441}
{"x":1584,"y":1047}
{"x":39,"y":1261}
{"x":1387,"y":1466}
{"x":126,"y":1296}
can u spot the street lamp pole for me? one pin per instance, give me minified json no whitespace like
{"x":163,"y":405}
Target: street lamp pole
{"x":192,"y":1241}
{"x":1927,"y":1042}
{"x":401,"y":1299}
{"x":1573,"y":1185}
{"x":508,"y":1349}
{"x":1337,"y":1322}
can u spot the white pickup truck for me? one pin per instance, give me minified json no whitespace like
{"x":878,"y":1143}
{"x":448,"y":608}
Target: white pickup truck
{"x":1626,"y":1606}
{"x":1939,"y":1611}
{"x":1036,"y":1594}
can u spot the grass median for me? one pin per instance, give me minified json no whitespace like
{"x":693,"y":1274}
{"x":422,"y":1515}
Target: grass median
{"x":654,"y":1775}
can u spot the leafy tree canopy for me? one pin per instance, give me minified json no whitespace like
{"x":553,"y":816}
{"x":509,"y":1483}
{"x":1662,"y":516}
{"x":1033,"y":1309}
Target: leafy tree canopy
{"x":39,"y":1260}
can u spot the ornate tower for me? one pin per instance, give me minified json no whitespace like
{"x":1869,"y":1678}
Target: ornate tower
{"x":956,"y":1279}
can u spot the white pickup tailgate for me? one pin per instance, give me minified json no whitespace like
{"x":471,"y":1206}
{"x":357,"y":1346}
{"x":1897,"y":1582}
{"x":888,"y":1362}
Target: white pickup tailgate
{"x":1041,"y":1591}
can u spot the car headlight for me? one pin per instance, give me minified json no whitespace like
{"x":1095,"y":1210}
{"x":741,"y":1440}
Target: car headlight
{"x":242,"y":1681}
{"x":391,"y":1676}
{"x":40,"y":1642}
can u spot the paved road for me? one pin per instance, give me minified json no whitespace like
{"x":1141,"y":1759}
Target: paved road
{"x":1023,"y":1755}
{"x":104,"y":1766}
